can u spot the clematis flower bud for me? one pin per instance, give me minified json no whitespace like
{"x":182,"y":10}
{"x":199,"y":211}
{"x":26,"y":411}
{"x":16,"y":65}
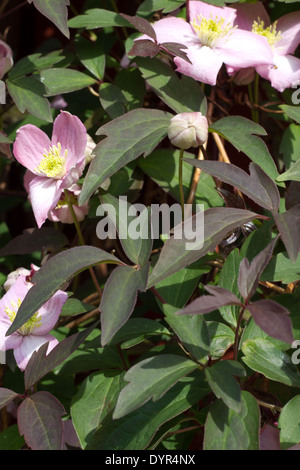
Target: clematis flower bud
{"x":188,"y":130}
{"x":6,"y":60}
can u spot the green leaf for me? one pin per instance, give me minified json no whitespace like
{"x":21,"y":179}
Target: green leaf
{"x":221,"y":380}
{"x":112,"y":100}
{"x":290,"y":145}
{"x":221,"y":338}
{"x":119,"y":298}
{"x":228,"y":280}
{"x":137,"y":250}
{"x":289,"y":423}
{"x":56,"y":11}
{"x":177,"y":289}
{"x":217,"y":223}
{"x":149,"y":6}
{"x":292,"y":174}
{"x":90,"y":358}
{"x":97,"y":18}
{"x":54,"y":274}
{"x":92,"y":55}
{"x":10,"y":438}
{"x":136,"y":430}
{"x":263,"y":357}
{"x":136,"y":133}
{"x":136,"y":330}
{"x":168,"y":86}
{"x":132,"y":86}
{"x":191,"y":330}
{"x":163,"y":167}
{"x":28,"y":94}
{"x":34,"y":62}
{"x":151,"y":378}
{"x":61,"y":80}
{"x":293,"y":112}
{"x":75,"y":307}
{"x":96,"y":397}
{"x":281,"y":268}
{"x":226,"y":429}
{"x":239,"y":132}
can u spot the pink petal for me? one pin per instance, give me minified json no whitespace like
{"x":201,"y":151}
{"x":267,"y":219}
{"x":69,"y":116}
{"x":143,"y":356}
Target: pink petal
{"x":50,"y":312}
{"x":44,"y":194}
{"x":29,"y":344}
{"x":29,"y":146}
{"x":206,"y":63}
{"x":286,"y":73}
{"x":289,"y":26}
{"x":269,"y":438}
{"x":69,"y":131}
{"x":73,"y":175}
{"x":245,"y":49}
{"x":209,"y":11}
{"x":247,"y":13}
{"x":8,"y":342}
{"x":17,"y":292}
{"x":173,"y":30}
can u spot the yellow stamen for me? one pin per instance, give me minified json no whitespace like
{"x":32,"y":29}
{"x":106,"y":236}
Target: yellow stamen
{"x":270,"y":32}
{"x":32,"y":324}
{"x":53,"y":164}
{"x":210,"y":31}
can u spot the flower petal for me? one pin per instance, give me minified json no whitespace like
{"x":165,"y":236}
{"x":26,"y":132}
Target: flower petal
{"x":205,"y":64}
{"x":173,"y":30}
{"x":205,"y":10}
{"x":285,"y":74}
{"x":11,"y":300}
{"x":247,"y":13}
{"x":29,"y":146}
{"x":50,"y":312}
{"x":289,"y":26}
{"x":44,"y":194}
{"x":69,"y":131}
{"x":8,"y":342}
{"x":245,"y":49}
{"x":29,"y":344}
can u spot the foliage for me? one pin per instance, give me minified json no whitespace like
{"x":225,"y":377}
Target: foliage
{"x":163,"y":342}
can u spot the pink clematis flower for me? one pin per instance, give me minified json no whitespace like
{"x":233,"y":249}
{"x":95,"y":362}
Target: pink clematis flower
{"x":14,"y":275}
{"x":283,"y":37}
{"x":35,"y":331}
{"x":211,"y":40}
{"x":6,"y":60}
{"x":53,"y":165}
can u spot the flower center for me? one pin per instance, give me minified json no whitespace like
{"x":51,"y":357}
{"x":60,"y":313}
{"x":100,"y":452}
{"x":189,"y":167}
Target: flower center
{"x":211,"y":31}
{"x":63,"y":201}
{"x":270,"y":32}
{"x":33,"y":323}
{"x":53,"y":164}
